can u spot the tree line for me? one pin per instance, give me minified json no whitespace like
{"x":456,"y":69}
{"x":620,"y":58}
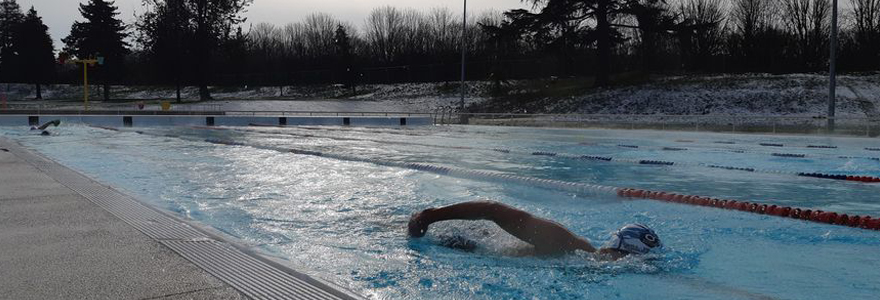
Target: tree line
{"x":205,"y":42}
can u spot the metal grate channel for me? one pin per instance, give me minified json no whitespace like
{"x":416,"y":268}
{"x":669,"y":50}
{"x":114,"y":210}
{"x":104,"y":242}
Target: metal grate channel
{"x":253,"y":277}
{"x":247,"y":274}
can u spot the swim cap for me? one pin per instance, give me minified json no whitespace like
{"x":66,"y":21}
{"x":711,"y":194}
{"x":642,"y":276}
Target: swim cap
{"x":634,"y":239}
{"x":34,"y":128}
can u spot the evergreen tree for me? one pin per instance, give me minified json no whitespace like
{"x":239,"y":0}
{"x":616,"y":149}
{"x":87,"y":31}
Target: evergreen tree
{"x":208,"y":24}
{"x":343,"y":53}
{"x":36,"y":55}
{"x":102,"y":34}
{"x":10,"y":18}
{"x":166,"y":35}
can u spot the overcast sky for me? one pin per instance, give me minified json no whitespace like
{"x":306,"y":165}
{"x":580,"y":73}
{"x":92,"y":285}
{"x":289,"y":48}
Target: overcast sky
{"x":60,"y":14}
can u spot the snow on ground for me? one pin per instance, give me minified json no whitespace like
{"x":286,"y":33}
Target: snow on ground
{"x":739,"y":95}
{"x":409,"y":97}
{"x":792,"y":95}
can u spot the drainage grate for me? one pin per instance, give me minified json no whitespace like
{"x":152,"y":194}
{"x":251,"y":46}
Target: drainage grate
{"x":247,"y":274}
{"x":239,"y":270}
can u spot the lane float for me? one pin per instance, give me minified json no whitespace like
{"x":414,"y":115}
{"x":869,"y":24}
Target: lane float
{"x":831,"y":218}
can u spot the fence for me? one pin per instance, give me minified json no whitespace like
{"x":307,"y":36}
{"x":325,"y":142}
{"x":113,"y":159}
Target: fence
{"x":860,"y":126}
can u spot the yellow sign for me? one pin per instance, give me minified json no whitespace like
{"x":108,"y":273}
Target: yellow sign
{"x":166,"y":105}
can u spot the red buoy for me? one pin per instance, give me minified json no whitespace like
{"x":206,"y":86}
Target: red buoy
{"x":854,"y":221}
{"x":863,"y":223}
{"x":873,"y":224}
{"x":841,"y":220}
{"x":684,"y":199}
{"x":761,"y":209}
{"x":808,"y":215}
{"x":830,"y":217}
{"x":706,"y":201}
{"x":731,"y":204}
{"x":783,"y":212}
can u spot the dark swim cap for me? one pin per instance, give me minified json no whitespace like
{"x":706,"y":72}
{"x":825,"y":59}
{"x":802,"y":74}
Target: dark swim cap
{"x":634,"y":239}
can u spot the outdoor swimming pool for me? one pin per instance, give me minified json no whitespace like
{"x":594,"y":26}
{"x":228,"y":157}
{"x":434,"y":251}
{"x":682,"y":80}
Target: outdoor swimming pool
{"x":344,"y":220}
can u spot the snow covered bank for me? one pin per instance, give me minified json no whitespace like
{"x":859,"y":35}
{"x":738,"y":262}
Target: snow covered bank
{"x":757,"y":94}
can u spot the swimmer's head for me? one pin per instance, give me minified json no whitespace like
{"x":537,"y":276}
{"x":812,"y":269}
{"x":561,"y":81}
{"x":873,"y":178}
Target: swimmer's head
{"x":34,"y":128}
{"x":634,"y":239}
{"x":45,"y":133}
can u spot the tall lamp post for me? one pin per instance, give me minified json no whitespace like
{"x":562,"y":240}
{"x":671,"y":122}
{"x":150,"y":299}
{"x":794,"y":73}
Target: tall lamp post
{"x":464,"y":54}
{"x":832,"y":92}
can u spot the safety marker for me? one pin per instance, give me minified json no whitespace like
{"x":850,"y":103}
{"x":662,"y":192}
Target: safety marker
{"x":822,"y":146}
{"x":563,"y":155}
{"x":865,"y":222}
{"x":674,"y":149}
{"x":628,"y":146}
{"x":872,"y":149}
{"x":684,"y":141}
{"x":725,"y":142}
{"x":771,"y":145}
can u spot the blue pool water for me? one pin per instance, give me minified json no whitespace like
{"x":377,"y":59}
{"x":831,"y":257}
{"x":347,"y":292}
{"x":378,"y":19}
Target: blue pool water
{"x":345,"y":220}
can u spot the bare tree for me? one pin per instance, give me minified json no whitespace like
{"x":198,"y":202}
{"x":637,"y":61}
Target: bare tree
{"x":866,"y":23}
{"x":808,"y":22}
{"x":319,"y":33}
{"x":702,"y":30}
{"x":383,"y":33}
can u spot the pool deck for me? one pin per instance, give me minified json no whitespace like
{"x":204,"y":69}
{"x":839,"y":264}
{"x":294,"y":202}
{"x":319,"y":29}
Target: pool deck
{"x":59,"y":241}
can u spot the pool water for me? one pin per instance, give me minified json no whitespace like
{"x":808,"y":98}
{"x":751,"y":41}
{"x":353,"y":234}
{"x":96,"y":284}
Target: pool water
{"x":345,"y":220}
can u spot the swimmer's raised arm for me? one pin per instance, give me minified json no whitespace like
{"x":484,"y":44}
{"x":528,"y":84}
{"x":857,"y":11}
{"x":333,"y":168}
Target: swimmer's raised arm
{"x":547,"y":236}
{"x":56,"y":123}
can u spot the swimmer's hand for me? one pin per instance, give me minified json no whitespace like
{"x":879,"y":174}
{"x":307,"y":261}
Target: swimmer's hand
{"x":418,"y":225}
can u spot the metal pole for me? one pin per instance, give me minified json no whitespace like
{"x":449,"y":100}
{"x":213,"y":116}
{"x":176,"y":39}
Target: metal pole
{"x":86,"y":85}
{"x":464,"y":54}
{"x":832,"y":90}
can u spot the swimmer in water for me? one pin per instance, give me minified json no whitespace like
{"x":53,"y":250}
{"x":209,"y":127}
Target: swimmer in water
{"x":43,"y":127}
{"x":548,"y":238}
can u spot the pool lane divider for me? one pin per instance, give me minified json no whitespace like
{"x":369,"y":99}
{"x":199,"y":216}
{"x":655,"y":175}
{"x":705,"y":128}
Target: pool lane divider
{"x":819,"y":216}
{"x":855,"y":178}
{"x":832,"y":218}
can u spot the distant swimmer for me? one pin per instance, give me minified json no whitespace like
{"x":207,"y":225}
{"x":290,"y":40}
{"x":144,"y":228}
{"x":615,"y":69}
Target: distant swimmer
{"x":547,"y":237}
{"x":43,"y":127}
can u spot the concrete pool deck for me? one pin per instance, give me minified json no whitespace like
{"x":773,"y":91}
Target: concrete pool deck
{"x":65,"y":236}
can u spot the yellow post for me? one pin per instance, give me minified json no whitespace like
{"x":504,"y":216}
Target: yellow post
{"x":86,"y":63}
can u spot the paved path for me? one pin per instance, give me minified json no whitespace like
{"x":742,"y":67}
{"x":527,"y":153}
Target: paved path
{"x":56,"y":244}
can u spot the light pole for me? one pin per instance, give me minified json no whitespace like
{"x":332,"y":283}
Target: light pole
{"x":832,"y":92}
{"x":464,"y":54}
